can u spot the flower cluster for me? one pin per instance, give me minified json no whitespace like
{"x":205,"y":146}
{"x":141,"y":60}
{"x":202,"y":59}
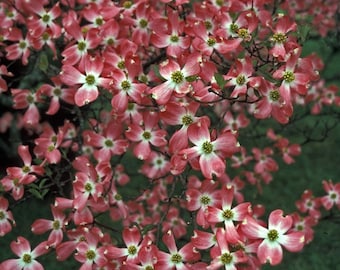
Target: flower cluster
{"x":156,"y":97}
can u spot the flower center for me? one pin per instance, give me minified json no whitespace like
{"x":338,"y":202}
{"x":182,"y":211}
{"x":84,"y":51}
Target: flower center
{"x":118,"y":197}
{"x":177,"y":77}
{"x":56,"y":225}
{"x":279,"y":37}
{"x":88,"y":187}
{"x":226,"y":258}
{"x":208,"y":25}
{"x":99,"y":21}
{"x":274,"y":95}
{"x":174,"y":38}
{"x":26,"y":169}
{"x":207,"y":147}
{"x":227,"y":214}
{"x":90,"y":79}
{"x":187,"y":120}
{"x":127,"y":4}
{"x":45,"y":18}
{"x":132,"y":250}
{"x":22,"y":45}
{"x":241,"y":79}
{"x":90,"y":255}
{"x":81,"y":46}
{"x":289,"y":76}
{"x":125,"y":85}
{"x":143,"y":23}
{"x":146,"y":135}
{"x":176,"y":258}
{"x":108,"y":143}
{"x":211,"y":42}
{"x":273,"y":235}
{"x":27,"y":258}
{"x":243,"y":33}
{"x":205,"y":200}
{"x":57,"y":92}
{"x":234,"y":28}
{"x":121,"y":64}
{"x":2,"y":215}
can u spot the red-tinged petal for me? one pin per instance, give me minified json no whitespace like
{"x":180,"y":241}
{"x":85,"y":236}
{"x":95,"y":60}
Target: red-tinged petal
{"x":211,"y":165}
{"x":214,"y":215}
{"x":293,"y":242}
{"x":11,"y":264}
{"x":85,"y":95}
{"x":114,"y":252}
{"x":41,"y":226}
{"x":120,"y":102}
{"x":230,"y":45}
{"x":227,"y":194}
{"x":25,"y":154}
{"x":71,"y":76}
{"x":167,"y":68}
{"x":203,"y":240}
{"x":142,"y":150}
{"x":169,"y":241}
{"x":189,"y":253}
{"x":20,"y":246}
{"x":269,"y":252}
{"x":232,"y":235}
{"x":198,"y":133}
{"x":131,"y":236}
{"x":278,"y":222}
{"x":162,"y":93}
{"x":158,"y":138}
{"x":252,"y":229}
{"x":241,"y":211}
{"x":40,"y":249}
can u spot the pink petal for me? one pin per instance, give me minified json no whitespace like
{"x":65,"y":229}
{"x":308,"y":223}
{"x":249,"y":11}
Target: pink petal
{"x":293,"y":241}
{"x":269,"y":252}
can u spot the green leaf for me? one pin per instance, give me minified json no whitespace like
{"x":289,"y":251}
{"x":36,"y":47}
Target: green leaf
{"x":43,"y":62}
{"x":220,"y":80}
{"x":36,"y":193}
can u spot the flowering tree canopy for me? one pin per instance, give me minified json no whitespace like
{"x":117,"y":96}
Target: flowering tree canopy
{"x":141,"y":121}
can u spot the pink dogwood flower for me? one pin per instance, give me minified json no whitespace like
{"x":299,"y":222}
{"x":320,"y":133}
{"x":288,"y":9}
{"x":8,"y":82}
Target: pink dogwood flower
{"x":274,"y":237}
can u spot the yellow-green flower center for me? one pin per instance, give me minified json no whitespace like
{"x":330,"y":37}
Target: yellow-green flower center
{"x":146,"y":135}
{"x":274,"y":95}
{"x":241,"y":79}
{"x":177,"y":77}
{"x":56,"y":225}
{"x":27,"y":258}
{"x":132,"y":250}
{"x":88,"y":187}
{"x":81,"y":46}
{"x":174,"y":38}
{"x":176,"y":258}
{"x":22,"y":45}
{"x":45,"y":18}
{"x":211,"y":42}
{"x":227,"y":214}
{"x":207,"y":147}
{"x":289,"y":76}
{"x":143,"y":23}
{"x":90,"y":79}
{"x":234,"y":28}
{"x":90,"y":255}
{"x":125,"y":85}
{"x":205,"y":200}
{"x":273,"y":235}
{"x":2,"y":215}
{"x":187,"y":120}
{"x":279,"y":37}
{"x":226,"y":258}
